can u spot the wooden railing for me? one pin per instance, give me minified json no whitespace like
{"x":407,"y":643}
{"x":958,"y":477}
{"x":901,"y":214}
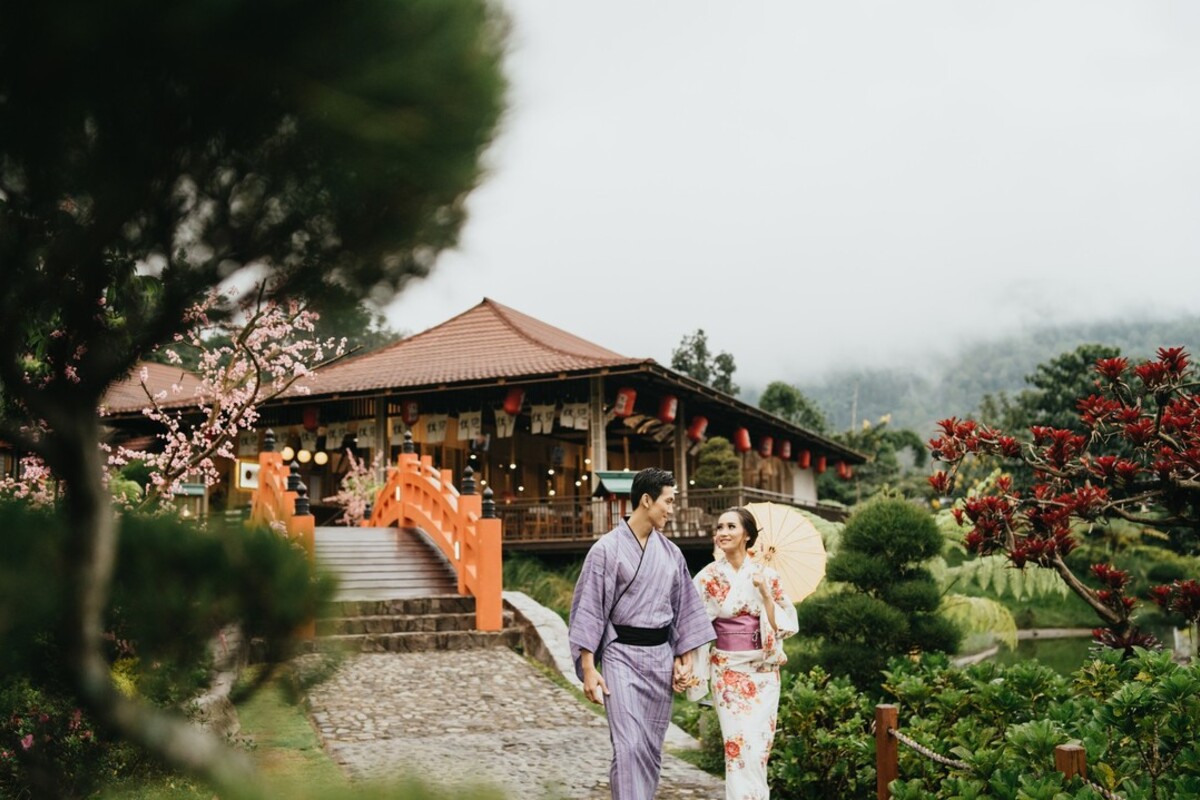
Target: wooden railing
{"x":462,"y":525}
{"x":281,"y":502}
{"x":585,"y":518}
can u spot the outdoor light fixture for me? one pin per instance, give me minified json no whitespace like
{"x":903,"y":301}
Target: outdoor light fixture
{"x":321,"y":458}
{"x":691,"y":483}
{"x":512,"y":466}
{"x":304,"y":456}
{"x":552,"y":493}
{"x":587,"y":461}
{"x":550,"y":471}
{"x":579,"y":483}
{"x":288,"y":453}
{"x":520,"y":488}
{"x":483,"y":483}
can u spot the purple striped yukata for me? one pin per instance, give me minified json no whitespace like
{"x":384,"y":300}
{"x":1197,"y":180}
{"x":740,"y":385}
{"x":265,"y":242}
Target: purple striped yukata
{"x":650,"y":589}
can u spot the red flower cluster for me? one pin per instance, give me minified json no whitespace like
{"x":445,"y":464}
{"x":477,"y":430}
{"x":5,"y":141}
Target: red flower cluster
{"x":1180,"y":597}
{"x":1112,"y":368}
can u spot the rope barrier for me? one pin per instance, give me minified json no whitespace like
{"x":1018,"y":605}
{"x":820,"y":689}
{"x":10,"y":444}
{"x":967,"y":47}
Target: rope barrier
{"x":952,"y":763}
{"x":925,"y":751}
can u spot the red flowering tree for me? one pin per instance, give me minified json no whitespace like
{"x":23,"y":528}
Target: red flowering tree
{"x":1139,"y":460}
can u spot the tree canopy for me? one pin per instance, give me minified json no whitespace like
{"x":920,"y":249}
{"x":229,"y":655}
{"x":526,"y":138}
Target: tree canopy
{"x":786,"y":401}
{"x":151,"y":153}
{"x":693,"y":358}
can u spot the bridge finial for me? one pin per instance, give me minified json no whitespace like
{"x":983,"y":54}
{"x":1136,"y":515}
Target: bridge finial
{"x":293,"y":484}
{"x":408,"y":446}
{"x":468,"y":481}
{"x":302,"y":505}
{"x":489,"y":504}
{"x":269,"y":441}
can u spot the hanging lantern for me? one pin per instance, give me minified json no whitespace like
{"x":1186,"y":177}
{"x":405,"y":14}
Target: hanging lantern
{"x":696,"y":430}
{"x":766,"y":446}
{"x":841,"y":470}
{"x":804,"y":459}
{"x":623,"y":406}
{"x":667,"y":409}
{"x":311,"y":418}
{"x":785,"y":449}
{"x":410,"y":412}
{"x":741,"y":440}
{"x":513,"y":401}
{"x":820,"y":464}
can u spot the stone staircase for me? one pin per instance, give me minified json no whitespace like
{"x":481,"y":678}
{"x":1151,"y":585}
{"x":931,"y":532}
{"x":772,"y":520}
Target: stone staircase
{"x":397,"y":594}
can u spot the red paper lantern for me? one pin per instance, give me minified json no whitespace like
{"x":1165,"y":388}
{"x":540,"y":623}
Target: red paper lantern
{"x":766,"y":445}
{"x":514,"y":400}
{"x":623,"y":407}
{"x":820,"y":464}
{"x":696,"y":430}
{"x":804,"y":460}
{"x":311,"y":418}
{"x":668,"y":408}
{"x":844,"y":471}
{"x":785,"y":449}
{"x":741,"y":440}
{"x":410,"y":412}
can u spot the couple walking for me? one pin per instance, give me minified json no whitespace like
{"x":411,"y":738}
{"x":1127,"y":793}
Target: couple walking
{"x":638,"y":615}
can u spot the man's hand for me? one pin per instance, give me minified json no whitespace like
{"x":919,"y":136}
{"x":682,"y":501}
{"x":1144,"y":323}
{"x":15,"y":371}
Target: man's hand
{"x":594,"y":686}
{"x":682,"y":678}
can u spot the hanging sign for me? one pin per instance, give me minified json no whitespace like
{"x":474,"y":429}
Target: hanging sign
{"x":505,"y":423}
{"x":470,"y":425}
{"x":542,"y":418}
{"x":435,"y":427}
{"x":247,"y":443}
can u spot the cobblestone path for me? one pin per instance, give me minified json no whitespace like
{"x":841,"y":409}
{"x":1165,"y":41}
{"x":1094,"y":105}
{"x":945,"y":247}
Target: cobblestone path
{"x":458,"y":717}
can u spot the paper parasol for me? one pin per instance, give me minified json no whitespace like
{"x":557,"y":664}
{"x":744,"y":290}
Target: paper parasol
{"x":791,"y":545}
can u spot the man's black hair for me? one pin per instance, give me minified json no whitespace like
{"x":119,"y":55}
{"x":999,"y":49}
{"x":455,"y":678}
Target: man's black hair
{"x":650,"y":481}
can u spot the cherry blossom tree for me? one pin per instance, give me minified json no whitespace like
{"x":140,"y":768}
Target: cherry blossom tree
{"x":1138,"y":460}
{"x":256,"y":360}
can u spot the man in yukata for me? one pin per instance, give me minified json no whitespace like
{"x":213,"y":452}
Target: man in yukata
{"x":637,"y":617}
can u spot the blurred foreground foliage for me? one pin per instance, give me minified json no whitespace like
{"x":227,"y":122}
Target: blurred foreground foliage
{"x":176,"y":586}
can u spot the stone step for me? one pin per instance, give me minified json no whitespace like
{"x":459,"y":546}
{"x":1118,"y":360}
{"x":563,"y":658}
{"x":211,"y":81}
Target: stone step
{"x":409,"y":623}
{"x":440,"y":603}
{"x":419,"y":642}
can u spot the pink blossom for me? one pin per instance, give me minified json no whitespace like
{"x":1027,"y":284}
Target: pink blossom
{"x":27,"y":741}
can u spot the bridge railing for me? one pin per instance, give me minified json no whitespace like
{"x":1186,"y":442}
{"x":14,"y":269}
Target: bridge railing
{"x":281,"y":502}
{"x":462,"y":524}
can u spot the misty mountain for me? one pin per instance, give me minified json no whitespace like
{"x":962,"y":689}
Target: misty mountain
{"x":917,"y":397}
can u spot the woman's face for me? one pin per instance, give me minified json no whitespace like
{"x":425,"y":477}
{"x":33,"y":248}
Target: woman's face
{"x":729,"y":534}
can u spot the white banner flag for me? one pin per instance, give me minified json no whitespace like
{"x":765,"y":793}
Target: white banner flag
{"x":543,"y":418}
{"x":366,"y":435}
{"x":435,"y":427}
{"x":577,"y":414}
{"x":470,"y":425}
{"x":505,"y":423}
{"x":247,"y":443}
{"x":397,"y":428}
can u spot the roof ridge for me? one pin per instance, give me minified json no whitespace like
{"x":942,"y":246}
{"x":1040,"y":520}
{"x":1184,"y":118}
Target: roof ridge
{"x":350,"y":359}
{"x":500,"y":309}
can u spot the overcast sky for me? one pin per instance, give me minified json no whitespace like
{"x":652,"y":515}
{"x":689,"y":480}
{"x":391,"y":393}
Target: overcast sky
{"x":826,"y":183}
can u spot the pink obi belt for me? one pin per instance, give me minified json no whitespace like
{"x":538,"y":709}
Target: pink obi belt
{"x":737,"y":633}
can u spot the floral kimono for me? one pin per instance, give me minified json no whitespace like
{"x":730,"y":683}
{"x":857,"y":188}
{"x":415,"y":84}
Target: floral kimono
{"x":744,"y":678}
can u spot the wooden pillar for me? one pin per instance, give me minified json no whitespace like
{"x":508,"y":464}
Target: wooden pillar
{"x":382,"y":437}
{"x":887,"y":716}
{"x":1070,"y":760}
{"x":597,"y":448}
{"x":681,"y":457}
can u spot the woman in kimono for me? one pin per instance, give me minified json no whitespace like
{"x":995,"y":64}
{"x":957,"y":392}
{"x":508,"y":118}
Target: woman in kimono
{"x":751,"y":615}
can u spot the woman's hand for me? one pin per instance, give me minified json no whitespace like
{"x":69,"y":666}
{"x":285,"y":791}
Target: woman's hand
{"x":760,"y":583}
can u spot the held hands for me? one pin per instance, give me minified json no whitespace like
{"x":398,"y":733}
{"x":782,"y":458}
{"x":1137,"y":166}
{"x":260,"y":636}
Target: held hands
{"x":760,"y":583}
{"x":594,"y":686}
{"x":683,"y":677}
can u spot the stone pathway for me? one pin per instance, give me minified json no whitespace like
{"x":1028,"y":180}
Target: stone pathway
{"x":458,"y":717}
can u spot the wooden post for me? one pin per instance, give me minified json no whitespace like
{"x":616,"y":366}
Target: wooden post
{"x":887,"y":716}
{"x":1070,"y":760}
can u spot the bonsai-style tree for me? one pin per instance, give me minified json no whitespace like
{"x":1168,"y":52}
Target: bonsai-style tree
{"x":1138,"y":460}
{"x":889,"y":605}
{"x":718,"y":465}
{"x":150,"y":153}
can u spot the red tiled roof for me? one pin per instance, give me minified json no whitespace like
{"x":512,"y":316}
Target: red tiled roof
{"x":485,"y":342}
{"x":127,"y":395}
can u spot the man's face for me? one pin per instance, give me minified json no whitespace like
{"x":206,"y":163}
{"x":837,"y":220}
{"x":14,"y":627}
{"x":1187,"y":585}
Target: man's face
{"x":662,"y":509}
